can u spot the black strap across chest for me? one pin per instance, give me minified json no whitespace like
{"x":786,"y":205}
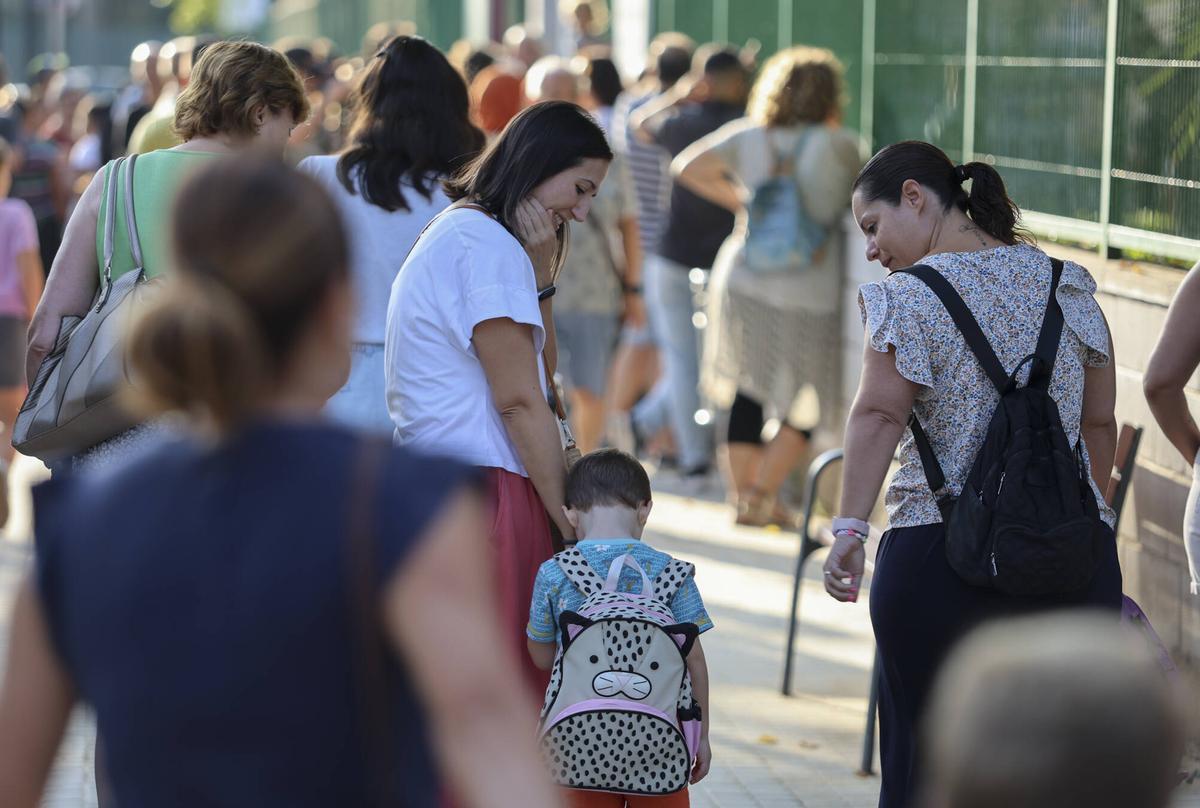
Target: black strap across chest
{"x":1043,"y":357}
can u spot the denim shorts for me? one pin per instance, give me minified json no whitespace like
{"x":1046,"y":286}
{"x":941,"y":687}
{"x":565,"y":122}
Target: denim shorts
{"x":586,"y":343}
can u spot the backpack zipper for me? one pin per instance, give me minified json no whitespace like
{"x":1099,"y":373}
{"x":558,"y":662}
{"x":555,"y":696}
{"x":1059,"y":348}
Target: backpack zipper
{"x":995,"y":572}
{"x":1000,"y":488}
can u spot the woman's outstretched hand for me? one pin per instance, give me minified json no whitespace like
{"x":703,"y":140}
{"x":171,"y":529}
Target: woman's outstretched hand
{"x":844,"y":568}
{"x":535,"y":226}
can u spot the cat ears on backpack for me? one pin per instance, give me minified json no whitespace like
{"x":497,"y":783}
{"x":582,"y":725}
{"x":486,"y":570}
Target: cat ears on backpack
{"x":572,"y":624}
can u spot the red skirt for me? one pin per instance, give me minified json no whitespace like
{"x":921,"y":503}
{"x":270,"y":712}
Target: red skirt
{"x":520,"y":535}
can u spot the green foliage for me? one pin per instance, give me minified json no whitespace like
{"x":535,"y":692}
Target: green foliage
{"x":192,"y":16}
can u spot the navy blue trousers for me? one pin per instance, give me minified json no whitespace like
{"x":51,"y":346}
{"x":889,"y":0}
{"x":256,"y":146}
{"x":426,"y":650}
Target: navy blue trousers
{"x":919,"y":609}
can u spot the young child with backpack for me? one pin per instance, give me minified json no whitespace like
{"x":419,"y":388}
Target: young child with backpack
{"x":625,"y":721}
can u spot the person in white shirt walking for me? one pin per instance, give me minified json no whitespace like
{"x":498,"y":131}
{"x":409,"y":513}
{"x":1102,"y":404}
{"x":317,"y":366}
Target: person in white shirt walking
{"x":412,"y":129}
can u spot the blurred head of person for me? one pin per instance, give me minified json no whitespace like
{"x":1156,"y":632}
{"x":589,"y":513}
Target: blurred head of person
{"x":143,"y":65}
{"x":523,"y":43}
{"x":496,"y":97}
{"x":174,"y":60}
{"x":723,"y":74}
{"x":241,"y":93}
{"x":256,"y":319}
{"x":551,"y":79}
{"x":1065,"y":710}
{"x":411,"y":126}
{"x":380,"y":33}
{"x":670,"y":58}
{"x":798,"y":86}
{"x":306,"y":63}
{"x":477,"y":59}
{"x":554,"y":152}
{"x":904,"y":194}
{"x":601,"y":81}
{"x":587,"y":18}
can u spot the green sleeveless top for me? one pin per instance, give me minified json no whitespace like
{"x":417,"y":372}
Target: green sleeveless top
{"x":156,"y":179}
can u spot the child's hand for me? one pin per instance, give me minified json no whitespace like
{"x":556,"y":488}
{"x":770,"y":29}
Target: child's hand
{"x":703,"y":761}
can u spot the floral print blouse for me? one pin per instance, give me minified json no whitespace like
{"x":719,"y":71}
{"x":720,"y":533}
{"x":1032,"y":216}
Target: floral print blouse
{"x":1006,"y":289}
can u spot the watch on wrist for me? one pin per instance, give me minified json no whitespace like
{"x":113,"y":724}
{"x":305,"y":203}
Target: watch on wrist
{"x":631,"y":288}
{"x":547,"y":293}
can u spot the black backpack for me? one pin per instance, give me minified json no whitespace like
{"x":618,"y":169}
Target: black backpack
{"x":1026,"y":522}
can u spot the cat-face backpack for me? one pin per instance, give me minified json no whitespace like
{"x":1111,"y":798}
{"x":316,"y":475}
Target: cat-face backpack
{"x":619,"y":714}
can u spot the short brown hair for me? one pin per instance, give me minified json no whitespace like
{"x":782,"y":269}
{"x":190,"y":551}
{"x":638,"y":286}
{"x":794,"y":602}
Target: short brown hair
{"x":1065,"y":710}
{"x":798,"y":85}
{"x":607,"y":477}
{"x":229,"y":82}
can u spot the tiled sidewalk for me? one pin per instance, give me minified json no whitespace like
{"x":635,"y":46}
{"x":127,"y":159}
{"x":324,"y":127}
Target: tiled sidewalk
{"x":769,"y":750}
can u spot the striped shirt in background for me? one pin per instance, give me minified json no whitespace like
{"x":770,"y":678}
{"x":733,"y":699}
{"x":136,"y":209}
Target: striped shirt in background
{"x":648,"y":166}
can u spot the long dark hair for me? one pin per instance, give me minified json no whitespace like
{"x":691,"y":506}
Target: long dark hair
{"x":541,"y":141}
{"x":987,"y":204}
{"x":411,"y":124}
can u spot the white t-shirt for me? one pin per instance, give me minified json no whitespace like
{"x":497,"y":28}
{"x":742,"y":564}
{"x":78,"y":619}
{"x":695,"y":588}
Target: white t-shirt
{"x":466,"y":269}
{"x":378,"y":240}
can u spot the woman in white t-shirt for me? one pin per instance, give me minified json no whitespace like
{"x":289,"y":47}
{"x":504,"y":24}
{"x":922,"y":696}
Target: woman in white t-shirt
{"x":470,"y":334}
{"x":412,"y":129}
{"x":772,"y":336}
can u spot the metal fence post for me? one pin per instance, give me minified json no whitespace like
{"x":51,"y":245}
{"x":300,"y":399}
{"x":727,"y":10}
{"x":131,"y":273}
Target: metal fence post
{"x":1110,"y":103}
{"x":867,"y":115}
{"x":970,"y":66}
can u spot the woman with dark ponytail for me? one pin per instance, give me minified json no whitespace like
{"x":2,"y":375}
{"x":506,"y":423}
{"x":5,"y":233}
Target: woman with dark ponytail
{"x":915,"y":206}
{"x":271,"y":610}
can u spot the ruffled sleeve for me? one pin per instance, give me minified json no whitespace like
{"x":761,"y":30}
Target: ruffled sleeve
{"x":891,"y":323}
{"x":1081,"y":313}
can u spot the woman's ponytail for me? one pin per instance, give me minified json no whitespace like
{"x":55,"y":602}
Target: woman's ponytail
{"x":988,"y":203}
{"x":195,"y":349}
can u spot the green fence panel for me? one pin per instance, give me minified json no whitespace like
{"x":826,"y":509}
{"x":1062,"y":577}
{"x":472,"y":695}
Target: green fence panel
{"x":753,"y":19}
{"x":1156,"y":138}
{"x":692,"y":17}
{"x":809,"y":22}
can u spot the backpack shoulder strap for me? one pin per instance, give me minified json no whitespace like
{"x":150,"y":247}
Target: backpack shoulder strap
{"x":579,"y":572}
{"x":966,"y":322}
{"x":673,"y":576}
{"x":1051,"y":334}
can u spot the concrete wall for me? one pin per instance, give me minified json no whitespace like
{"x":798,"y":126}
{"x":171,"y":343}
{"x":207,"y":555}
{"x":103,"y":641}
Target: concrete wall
{"x":1134,"y":297}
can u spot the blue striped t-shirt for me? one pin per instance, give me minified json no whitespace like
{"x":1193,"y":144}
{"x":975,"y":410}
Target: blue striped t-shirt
{"x":553,"y":594}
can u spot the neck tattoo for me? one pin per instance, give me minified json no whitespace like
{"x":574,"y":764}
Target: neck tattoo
{"x":970,"y":228}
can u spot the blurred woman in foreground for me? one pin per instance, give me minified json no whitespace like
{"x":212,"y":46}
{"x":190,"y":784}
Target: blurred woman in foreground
{"x":266,"y":627}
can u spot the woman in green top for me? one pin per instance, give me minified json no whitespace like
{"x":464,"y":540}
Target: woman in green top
{"x":241,"y":95}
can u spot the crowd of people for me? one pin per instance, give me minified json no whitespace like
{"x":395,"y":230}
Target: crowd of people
{"x":491,"y":260}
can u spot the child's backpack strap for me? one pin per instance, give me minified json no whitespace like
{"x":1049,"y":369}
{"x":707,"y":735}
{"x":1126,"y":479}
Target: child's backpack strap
{"x":579,"y":572}
{"x":671,"y":578}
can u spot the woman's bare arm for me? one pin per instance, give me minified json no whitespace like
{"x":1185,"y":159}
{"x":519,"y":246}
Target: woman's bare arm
{"x":506,"y":351}
{"x":73,"y":279}
{"x":34,"y":704}
{"x":1098,"y":421}
{"x":877,"y":421}
{"x":33,"y":279}
{"x":706,"y":174}
{"x":440,"y":612}
{"x":1173,"y":362}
